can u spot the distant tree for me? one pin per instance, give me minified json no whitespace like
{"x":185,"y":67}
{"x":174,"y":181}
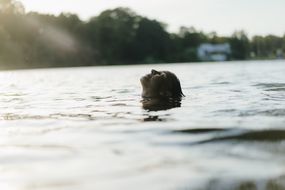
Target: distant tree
{"x":283,"y":44}
{"x":267,"y":46}
{"x":152,"y":43}
{"x":112,"y":34}
{"x":273,"y":45}
{"x":240,"y":45}
{"x":70,"y":22}
{"x":190,"y":39}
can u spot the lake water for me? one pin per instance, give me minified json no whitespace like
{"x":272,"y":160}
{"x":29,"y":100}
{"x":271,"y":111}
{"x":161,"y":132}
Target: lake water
{"x":85,"y":129}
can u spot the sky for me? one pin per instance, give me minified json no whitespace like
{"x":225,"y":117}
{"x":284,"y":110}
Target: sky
{"x":256,"y":17}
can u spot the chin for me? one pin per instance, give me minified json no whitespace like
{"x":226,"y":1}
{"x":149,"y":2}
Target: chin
{"x":145,"y":80}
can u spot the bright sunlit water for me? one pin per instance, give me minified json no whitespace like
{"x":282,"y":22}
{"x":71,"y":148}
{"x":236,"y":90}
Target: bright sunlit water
{"x":85,"y":129}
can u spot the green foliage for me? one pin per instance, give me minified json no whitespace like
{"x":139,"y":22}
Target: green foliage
{"x":187,"y":42}
{"x":268,"y":46}
{"x":151,"y":43}
{"x":117,"y":36}
{"x":112,"y":34}
{"x":240,"y":45}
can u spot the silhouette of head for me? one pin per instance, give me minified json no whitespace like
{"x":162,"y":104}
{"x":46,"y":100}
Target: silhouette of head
{"x":161,"y":84}
{"x":161,"y":89}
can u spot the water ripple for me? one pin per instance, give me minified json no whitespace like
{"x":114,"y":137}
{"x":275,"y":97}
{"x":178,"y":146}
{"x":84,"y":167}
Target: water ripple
{"x":234,"y":134}
{"x":270,"y":85}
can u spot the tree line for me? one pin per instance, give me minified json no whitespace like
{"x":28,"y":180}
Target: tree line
{"x":116,"y":36}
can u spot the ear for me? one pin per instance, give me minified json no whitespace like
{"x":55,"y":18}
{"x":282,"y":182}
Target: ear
{"x":154,"y":72}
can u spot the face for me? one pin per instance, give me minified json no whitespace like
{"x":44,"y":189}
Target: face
{"x":160,"y":84}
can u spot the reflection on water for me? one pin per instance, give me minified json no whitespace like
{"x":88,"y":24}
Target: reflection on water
{"x":153,"y":104}
{"x":86,"y":128}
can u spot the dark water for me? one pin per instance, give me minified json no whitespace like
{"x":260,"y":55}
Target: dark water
{"x":84,"y":128}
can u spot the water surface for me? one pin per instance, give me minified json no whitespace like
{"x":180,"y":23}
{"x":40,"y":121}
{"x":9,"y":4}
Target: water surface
{"x":84,"y":128}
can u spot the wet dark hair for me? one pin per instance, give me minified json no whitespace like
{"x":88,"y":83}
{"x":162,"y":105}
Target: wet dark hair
{"x":176,"y":90}
{"x":161,"y":91}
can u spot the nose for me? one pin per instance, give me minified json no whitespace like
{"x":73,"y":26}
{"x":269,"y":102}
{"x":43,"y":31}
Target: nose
{"x":153,"y":72}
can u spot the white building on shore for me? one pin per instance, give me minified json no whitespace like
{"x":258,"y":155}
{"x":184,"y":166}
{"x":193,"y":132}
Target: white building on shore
{"x":214,"y":52}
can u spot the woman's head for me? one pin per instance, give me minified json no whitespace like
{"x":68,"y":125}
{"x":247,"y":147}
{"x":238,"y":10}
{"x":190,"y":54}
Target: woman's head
{"x":161,"y":85}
